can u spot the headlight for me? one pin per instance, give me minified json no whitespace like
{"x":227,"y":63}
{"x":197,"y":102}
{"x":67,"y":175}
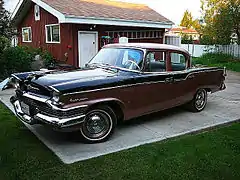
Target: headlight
{"x":17,"y":84}
{"x":55,"y":97}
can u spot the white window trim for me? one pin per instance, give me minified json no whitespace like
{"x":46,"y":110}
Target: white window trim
{"x":37,"y":7}
{"x":52,"y":42}
{"x":23,"y":34}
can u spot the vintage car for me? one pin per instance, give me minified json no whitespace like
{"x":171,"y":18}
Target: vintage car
{"x":123,"y":81}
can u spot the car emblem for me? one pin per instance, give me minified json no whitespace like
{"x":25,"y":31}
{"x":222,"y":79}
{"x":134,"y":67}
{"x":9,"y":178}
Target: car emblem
{"x":77,"y":100}
{"x":33,"y":88}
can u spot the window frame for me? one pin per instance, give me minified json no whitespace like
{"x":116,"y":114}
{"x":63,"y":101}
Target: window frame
{"x":29,"y":36}
{"x":37,"y":8}
{"x":186,"y":60}
{"x":46,"y":34}
{"x":165,"y":57}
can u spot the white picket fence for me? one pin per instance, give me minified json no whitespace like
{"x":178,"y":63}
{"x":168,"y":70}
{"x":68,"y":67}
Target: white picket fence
{"x":198,"y":50}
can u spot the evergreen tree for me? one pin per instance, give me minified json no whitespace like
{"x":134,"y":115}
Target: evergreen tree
{"x":187,"y":20}
{"x":6,"y":29}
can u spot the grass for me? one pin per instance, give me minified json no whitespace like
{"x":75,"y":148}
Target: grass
{"x":210,"y":155}
{"x":219,"y":60}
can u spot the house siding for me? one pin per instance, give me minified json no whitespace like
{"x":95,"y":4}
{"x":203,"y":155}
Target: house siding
{"x":101,"y":29}
{"x":39,"y":35}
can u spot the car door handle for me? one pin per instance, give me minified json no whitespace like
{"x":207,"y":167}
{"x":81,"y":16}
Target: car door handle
{"x":169,"y":80}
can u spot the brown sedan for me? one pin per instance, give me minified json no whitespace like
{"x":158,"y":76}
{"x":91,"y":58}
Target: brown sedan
{"x":121,"y":82}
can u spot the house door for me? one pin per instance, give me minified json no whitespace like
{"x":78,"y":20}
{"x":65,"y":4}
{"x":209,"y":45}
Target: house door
{"x":87,"y":46}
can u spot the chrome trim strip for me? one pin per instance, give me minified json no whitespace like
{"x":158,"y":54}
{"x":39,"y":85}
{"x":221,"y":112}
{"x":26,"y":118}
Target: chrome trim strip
{"x":103,"y":89}
{"x":48,"y":119}
{"x":145,"y":83}
{"x":53,"y":88}
{"x":58,"y":121}
{"x":16,"y":77}
{"x":49,"y":102}
{"x":20,"y":113}
{"x":35,"y":97}
{"x":67,"y":109}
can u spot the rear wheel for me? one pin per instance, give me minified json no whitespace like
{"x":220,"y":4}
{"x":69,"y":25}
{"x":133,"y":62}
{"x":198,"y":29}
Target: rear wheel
{"x":198,"y":103}
{"x":99,"y":124}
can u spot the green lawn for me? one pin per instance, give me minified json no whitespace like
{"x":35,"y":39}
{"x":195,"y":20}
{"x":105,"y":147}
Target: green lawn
{"x":219,"y":60}
{"x":211,"y":155}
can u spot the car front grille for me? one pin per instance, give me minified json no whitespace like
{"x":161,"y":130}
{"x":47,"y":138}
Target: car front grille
{"x":44,"y":108}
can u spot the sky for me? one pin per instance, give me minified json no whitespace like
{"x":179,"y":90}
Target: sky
{"x":171,"y":9}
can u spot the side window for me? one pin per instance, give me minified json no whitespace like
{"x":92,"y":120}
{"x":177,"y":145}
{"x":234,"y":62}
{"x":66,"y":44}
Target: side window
{"x":27,"y":34}
{"x":178,"y":62}
{"x":53,"y":33}
{"x":156,"y":61}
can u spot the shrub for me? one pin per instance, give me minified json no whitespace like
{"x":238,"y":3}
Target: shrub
{"x":15,"y":59}
{"x":187,"y":39}
{"x":218,"y":60}
{"x":47,"y":57}
{"x":4,"y":44}
{"x":214,"y":58}
{"x":20,"y":59}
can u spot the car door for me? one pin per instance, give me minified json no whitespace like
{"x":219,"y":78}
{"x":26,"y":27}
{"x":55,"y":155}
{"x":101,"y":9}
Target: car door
{"x":183,"y":84}
{"x":159,"y":87}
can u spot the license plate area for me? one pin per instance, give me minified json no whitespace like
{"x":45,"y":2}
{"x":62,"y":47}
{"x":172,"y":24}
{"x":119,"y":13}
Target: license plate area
{"x":25,"y":108}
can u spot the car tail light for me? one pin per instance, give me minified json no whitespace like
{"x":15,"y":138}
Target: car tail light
{"x":225,"y":72}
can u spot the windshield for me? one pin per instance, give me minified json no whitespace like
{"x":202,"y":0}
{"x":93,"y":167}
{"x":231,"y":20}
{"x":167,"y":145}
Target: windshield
{"x":119,"y":57}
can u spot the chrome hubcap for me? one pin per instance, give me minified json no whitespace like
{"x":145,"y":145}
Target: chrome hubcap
{"x":97,"y":124}
{"x":200,"y":100}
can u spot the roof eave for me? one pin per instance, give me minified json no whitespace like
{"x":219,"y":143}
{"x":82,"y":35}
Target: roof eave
{"x":15,"y":15}
{"x":115,"y":22}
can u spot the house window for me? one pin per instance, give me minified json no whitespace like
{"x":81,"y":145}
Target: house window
{"x":37,"y":12}
{"x":53,"y":33}
{"x":27,"y":34}
{"x":142,"y":34}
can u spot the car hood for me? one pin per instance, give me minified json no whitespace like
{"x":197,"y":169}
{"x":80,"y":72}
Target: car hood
{"x":59,"y":78}
{"x":78,"y":80}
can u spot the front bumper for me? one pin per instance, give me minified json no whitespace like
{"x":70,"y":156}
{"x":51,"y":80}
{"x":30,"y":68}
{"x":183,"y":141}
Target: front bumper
{"x":40,"y":118}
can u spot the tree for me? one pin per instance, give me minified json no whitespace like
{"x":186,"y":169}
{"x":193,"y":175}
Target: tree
{"x":187,"y":20}
{"x":222,"y":19}
{"x":6,"y":29}
{"x":186,"y":39}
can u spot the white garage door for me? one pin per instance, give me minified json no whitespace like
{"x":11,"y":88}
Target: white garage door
{"x":87,"y":46}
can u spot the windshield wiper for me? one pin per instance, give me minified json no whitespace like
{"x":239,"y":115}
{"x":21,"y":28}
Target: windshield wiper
{"x":92,"y":64}
{"x":104,"y":66}
{"x":109,"y":67}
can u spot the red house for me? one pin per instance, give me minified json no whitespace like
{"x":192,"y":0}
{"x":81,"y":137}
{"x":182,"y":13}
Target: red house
{"x":74,"y":30}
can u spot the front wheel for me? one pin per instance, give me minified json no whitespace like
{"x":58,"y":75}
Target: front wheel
{"x":99,"y":124}
{"x":199,"y":102}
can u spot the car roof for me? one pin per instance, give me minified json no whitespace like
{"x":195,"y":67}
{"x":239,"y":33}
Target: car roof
{"x":147,"y":46}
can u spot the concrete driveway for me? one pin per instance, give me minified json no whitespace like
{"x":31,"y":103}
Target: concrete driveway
{"x":223,"y":107}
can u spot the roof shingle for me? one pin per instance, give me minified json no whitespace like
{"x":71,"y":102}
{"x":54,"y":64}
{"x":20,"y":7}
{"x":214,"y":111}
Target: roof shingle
{"x":108,"y":9}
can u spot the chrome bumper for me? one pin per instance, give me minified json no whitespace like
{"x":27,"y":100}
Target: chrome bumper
{"x":53,"y":121}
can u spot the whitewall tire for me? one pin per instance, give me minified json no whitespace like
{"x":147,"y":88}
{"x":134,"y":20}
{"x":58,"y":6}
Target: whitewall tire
{"x":99,"y":124}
